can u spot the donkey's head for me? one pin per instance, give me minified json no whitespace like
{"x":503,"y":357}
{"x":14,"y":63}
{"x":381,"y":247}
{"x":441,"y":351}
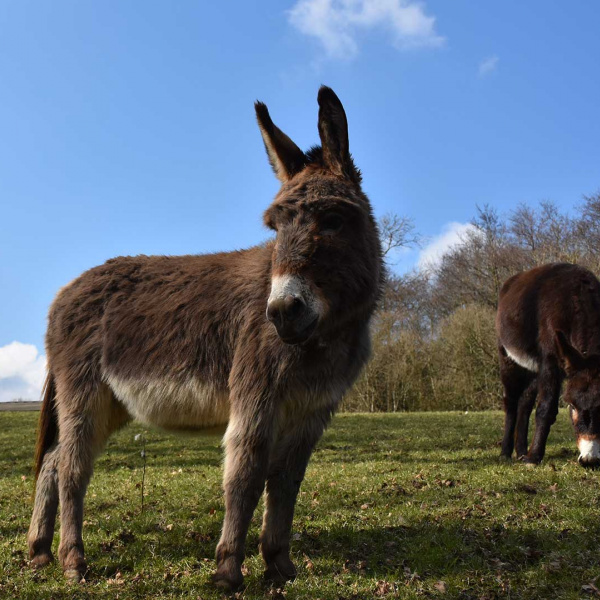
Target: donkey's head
{"x":326,"y":263}
{"x":582,"y":393}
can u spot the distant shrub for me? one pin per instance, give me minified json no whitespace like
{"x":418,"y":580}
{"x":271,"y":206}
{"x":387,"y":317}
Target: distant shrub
{"x":456,"y":368}
{"x":434,"y":346}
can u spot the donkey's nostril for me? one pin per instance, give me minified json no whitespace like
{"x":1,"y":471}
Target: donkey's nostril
{"x":274,"y":312}
{"x":286,"y":309}
{"x":293,"y":307}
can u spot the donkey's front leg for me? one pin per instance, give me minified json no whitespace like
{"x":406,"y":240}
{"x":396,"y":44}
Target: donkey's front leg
{"x":247,"y":443}
{"x":287,"y":465}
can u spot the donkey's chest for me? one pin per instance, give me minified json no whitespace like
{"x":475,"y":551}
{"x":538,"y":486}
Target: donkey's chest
{"x":189,"y":404}
{"x":300,"y":405}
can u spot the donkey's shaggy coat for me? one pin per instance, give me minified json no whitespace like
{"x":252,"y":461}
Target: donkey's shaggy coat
{"x":548,"y":326}
{"x":266,"y":339}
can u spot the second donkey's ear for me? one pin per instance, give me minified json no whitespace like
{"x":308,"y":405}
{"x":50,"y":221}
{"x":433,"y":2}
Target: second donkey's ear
{"x":285,"y":157}
{"x":571,"y":360}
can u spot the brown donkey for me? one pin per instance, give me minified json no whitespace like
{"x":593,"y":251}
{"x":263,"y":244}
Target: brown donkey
{"x":548,"y":327}
{"x":266,"y":339}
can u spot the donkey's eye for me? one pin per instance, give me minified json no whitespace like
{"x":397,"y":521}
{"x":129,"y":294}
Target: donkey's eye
{"x":331,"y":223}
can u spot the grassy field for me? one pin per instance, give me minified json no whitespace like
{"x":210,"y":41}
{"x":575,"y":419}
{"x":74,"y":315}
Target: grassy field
{"x":20,"y":406}
{"x":393,"y":506}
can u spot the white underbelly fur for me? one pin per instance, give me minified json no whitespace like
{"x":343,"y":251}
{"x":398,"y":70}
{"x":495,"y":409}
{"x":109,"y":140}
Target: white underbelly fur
{"x":527,"y":362}
{"x":191,"y":404}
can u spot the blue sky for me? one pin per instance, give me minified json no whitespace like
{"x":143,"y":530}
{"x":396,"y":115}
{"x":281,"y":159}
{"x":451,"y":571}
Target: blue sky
{"x":128,"y":127}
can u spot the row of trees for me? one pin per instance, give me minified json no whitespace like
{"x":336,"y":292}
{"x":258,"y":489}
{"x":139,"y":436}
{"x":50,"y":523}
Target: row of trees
{"x":434,"y":345}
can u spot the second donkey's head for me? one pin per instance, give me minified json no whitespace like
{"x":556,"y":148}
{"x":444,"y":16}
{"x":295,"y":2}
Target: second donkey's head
{"x":326,"y":257}
{"x":582,"y":394}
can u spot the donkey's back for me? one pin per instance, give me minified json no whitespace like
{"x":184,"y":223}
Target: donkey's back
{"x":534,"y":304}
{"x":158,"y":332}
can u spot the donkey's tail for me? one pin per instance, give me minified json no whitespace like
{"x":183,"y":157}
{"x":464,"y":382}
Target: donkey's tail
{"x":48,"y":425}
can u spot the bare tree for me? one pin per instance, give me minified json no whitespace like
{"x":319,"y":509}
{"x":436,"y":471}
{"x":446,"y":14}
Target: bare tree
{"x":434,"y":346}
{"x":397,"y":232}
{"x":474,"y":270}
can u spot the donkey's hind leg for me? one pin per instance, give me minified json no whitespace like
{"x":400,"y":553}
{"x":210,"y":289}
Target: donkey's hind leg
{"x":526,"y":404}
{"x":84,"y":426}
{"x":515,"y":380}
{"x":41,"y":530}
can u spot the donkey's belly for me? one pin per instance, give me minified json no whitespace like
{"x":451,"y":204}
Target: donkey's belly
{"x":523,"y":360}
{"x":191,"y":404}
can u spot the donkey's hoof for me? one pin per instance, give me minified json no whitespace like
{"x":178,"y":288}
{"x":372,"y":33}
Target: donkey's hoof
{"x":229,"y":575}
{"x":280,"y":568}
{"x":530,"y":463}
{"x":75,"y":576}
{"x":280,"y":572}
{"x":41,"y":560}
{"x":228,"y":584}
{"x":73,"y":564}
{"x":505,"y":458}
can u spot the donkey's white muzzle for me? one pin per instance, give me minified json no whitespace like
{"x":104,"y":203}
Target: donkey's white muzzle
{"x":293,"y":308}
{"x":589,"y":452}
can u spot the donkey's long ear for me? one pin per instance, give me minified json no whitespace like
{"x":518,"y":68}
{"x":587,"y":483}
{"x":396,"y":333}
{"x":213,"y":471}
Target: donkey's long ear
{"x":285,"y":157}
{"x":333,"y":130}
{"x":569,"y":357}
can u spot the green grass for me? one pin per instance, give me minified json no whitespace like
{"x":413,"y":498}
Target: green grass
{"x":393,"y":506}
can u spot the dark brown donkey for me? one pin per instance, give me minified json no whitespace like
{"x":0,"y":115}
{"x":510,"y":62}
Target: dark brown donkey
{"x":548,"y":327}
{"x":266,"y":339}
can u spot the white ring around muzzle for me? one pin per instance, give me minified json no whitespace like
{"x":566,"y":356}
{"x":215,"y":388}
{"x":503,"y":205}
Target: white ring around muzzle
{"x":589,"y":450}
{"x":295,"y":285}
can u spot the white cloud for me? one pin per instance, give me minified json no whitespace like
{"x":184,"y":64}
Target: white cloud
{"x":453,"y":234}
{"x":22,"y":372}
{"x":336,"y":23}
{"x":487,"y":65}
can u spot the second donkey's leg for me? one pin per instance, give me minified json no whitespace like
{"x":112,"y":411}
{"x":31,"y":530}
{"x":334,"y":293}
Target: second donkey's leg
{"x":515,"y":380}
{"x":549,"y":383}
{"x":287,"y":465}
{"x":526,"y":405}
